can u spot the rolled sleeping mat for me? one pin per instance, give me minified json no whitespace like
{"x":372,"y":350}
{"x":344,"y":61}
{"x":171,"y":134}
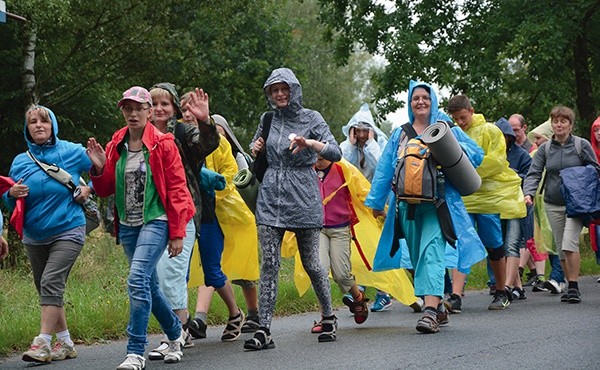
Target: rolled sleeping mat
{"x":247,"y":186}
{"x":449,"y":154}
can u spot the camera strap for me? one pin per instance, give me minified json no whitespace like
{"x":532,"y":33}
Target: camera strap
{"x":55,"y":172}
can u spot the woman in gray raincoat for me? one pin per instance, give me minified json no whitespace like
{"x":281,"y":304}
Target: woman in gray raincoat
{"x":289,"y":197}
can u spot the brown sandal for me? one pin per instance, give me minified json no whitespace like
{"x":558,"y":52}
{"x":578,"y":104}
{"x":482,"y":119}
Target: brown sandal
{"x":428,"y":324}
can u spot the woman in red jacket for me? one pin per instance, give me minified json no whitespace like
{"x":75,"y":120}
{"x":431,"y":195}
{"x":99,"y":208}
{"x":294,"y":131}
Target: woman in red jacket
{"x":142,"y":167}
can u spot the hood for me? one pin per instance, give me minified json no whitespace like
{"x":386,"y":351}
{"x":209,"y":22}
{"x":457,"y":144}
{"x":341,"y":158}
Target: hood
{"x":544,"y":130}
{"x":53,"y":136}
{"x":505,"y":127}
{"x":221,"y":121}
{"x":285,"y":75}
{"x":433,"y":118}
{"x":593,"y":140}
{"x":363,"y":116}
{"x":170,"y":88}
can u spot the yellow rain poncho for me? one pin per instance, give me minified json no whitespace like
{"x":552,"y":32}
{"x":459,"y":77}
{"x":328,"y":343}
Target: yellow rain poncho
{"x":500,"y":190}
{"x":240,"y":253}
{"x":367,"y":230}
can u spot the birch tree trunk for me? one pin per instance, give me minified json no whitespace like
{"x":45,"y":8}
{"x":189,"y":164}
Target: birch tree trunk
{"x":29,"y":45}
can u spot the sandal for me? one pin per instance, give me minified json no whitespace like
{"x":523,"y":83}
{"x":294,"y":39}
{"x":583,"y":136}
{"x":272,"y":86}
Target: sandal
{"x":329,"y":327}
{"x":428,"y":324}
{"x":360,"y":309}
{"x":317,"y":328}
{"x":260,"y":340}
{"x":233,"y":330}
{"x":251,"y":325}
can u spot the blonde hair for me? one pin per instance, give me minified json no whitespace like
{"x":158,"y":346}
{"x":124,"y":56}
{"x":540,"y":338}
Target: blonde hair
{"x":42,"y":113}
{"x":158,"y":93}
{"x":186,"y":97}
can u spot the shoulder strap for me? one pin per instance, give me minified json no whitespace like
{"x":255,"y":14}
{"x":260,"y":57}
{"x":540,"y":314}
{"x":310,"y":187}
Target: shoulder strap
{"x":409,"y":130}
{"x":266,"y":125}
{"x":55,"y":172}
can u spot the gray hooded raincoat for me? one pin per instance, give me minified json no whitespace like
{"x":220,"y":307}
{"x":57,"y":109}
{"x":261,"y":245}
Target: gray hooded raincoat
{"x":289,"y":195}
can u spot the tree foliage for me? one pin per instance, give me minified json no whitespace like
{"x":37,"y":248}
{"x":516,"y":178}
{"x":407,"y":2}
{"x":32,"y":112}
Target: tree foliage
{"x":89,"y":51}
{"x":507,"y":55}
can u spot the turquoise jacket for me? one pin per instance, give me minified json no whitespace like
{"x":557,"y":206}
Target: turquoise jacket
{"x":469,"y":249}
{"x":49,"y":208}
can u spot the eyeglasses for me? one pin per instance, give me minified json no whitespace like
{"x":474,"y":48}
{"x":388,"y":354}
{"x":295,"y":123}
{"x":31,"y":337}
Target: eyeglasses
{"x":128,"y":109}
{"x":424,"y":98}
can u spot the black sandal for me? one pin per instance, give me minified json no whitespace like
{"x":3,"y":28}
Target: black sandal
{"x":233,"y":330}
{"x":329,"y":327}
{"x":260,"y":340}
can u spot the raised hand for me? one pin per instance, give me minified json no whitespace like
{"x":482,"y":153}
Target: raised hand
{"x":198,"y":105}
{"x":97,"y":154}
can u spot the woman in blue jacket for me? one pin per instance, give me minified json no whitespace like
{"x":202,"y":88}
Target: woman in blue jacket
{"x":423,"y":234}
{"x":54,"y":227}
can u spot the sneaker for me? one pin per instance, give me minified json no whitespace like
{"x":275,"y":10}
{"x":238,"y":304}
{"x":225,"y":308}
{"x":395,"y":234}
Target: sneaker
{"x":361,"y":311}
{"x":159,"y":352}
{"x":38,"y":352}
{"x":348,"y":301}
{"x":133,"y":362}
{"x":233,"y":330}
{"x":530,"y":279}
{"x":574,"y":296}
{"x":197,"y":329}
{"x":500,"y":301}
{"x":493,"y":289}
{"x":187,"y":340}
{"x":251,"y":325}
{"x":538,"y":284}
{"x":518,"y":293}
{"x":554,"y":287}
{"x":598,"y":281}
{"x":428,"y":324}
{"x":174,"y":354}
{"x":62,"y":351}
{"x":382,"y":302}
{"x":418,"y":305}
{"x":453,"y":304}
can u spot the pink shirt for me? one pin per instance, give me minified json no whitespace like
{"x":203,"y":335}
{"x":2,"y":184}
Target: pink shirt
{"x":336,"y":213}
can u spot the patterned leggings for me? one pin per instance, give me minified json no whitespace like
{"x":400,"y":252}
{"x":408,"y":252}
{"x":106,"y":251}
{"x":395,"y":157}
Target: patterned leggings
{"x":308,"y":245}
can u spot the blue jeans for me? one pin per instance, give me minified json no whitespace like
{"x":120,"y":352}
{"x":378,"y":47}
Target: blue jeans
{"x":143,"y":246}
{"x":556,"y":271}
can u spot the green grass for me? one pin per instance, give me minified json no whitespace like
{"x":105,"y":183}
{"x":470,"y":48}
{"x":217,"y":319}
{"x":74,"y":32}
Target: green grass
{"x":97,"y":302}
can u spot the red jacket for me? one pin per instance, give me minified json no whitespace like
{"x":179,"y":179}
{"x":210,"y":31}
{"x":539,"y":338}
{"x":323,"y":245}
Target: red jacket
{"x":167,"y":172}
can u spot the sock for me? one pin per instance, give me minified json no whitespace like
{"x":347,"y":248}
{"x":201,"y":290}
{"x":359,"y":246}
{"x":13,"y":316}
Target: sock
{"x":46,"y":337}
{"x":455,"y":296}
{"x":573,"y":285}
{"x":65,"y":336}
{"x":201,"y":316}
{"x":252,"y":313}
{"x":265,"y":329}
{"x":533,"y":272}
{"x":430,"y":310}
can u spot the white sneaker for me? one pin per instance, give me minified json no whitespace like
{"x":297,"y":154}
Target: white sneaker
{"x":39,"y":351}
{"x":159,"y":352}
{"x":554,"y":287}
{"x":174,"y":353}
{"x":133,"y":362}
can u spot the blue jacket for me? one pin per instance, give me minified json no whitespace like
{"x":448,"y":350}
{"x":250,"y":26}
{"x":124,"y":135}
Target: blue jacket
{"x":518,"y":158}
{"x":49,"y":208}
{"x":469,"y":247}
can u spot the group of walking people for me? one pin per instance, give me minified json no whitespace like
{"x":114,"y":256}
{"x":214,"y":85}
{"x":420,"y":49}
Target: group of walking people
{"x":170,"y":169}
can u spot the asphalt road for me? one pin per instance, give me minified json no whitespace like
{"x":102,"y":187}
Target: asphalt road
{"x":537,"y":333}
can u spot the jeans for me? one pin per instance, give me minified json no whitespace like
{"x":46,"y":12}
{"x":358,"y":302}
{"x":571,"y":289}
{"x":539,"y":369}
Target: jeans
{"x":556,"y":271}
{"x":143,"y":246}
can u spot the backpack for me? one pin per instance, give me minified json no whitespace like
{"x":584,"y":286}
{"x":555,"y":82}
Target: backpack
{"x":416,"y":175}
{"x":417,"y":179}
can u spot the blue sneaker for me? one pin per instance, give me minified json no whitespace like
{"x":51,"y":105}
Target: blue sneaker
{"x":382,"y":302}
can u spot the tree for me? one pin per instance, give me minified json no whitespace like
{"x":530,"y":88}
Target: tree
{"x":507,"y":55}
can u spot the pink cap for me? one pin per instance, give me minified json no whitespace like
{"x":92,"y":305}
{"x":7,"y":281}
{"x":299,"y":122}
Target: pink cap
{"x":136,"y":93}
